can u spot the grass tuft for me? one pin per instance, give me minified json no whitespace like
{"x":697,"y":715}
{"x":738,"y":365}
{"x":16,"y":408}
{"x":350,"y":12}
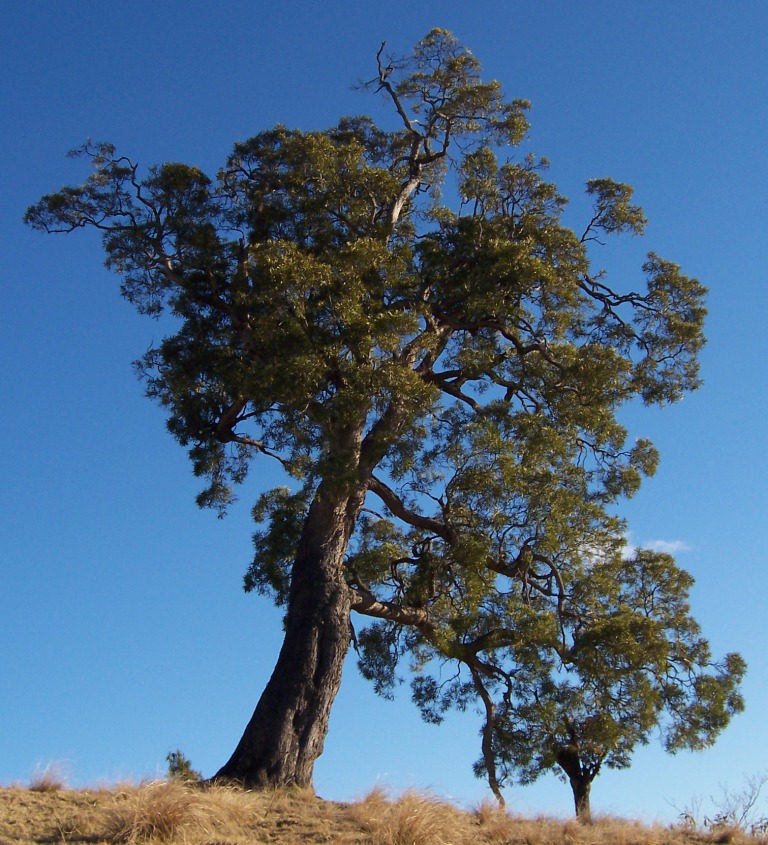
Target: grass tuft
{"x":495,"y":824}
{"x":50,"y":778}
{"x":164,"y":811}
{"x":414,"y":819}
{"x":156,"y":811}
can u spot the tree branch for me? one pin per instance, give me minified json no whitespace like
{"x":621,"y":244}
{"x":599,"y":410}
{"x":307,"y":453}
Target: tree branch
{"x":364,"y":602}
{"x":401,"y":511}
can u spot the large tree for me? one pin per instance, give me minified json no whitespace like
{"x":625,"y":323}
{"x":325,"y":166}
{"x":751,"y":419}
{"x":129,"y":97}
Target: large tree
{"x":400,"y":318}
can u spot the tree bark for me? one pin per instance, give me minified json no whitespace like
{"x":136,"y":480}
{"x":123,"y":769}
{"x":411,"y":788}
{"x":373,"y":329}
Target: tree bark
{"x":581,"y":788}
{"x":489,"y":756}
{"x":286,"y":733}
{"x":580,"y":780}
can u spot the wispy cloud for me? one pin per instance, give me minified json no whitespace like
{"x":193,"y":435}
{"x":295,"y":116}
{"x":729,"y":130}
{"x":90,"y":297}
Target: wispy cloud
{"x":670,"y":547}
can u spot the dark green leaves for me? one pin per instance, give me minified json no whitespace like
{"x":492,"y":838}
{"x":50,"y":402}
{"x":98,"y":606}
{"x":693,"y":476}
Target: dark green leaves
{"x":632,"y":660}
{"x":275,"y":547}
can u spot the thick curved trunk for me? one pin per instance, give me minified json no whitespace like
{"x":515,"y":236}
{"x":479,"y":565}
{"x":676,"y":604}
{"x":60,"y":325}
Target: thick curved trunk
{"x":286,"y":733}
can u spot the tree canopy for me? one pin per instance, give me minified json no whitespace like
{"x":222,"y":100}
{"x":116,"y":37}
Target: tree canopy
{"x":576,"y":692}
{"x":400,"y":317}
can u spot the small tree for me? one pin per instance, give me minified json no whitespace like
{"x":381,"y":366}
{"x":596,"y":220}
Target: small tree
{"x":180,"y":767}
{"x":627,"y":658}
{"x":438,"y":377}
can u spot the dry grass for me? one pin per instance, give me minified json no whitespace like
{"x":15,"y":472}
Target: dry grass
{"x":182,"y":814}
{"x":414,"y":819}
{"x":49,"y":778}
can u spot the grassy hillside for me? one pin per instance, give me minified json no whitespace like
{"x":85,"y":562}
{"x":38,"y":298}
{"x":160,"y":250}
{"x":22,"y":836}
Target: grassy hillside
{"x":171,"y":812}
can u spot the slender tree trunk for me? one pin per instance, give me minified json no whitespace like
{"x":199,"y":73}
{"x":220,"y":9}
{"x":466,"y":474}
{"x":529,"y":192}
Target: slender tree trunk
{"x":286,"y":733}
{"x":489,"y":756}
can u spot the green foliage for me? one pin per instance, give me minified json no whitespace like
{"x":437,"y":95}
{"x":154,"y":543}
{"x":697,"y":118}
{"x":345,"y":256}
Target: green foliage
{"x":180,"y":768}
{"x":629,"y":659}
{"x":450,"y":373}
{"x":275,"y":547}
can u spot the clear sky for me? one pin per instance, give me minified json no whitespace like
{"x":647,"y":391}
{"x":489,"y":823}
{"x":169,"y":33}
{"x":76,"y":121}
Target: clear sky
{"x":124,"y":631}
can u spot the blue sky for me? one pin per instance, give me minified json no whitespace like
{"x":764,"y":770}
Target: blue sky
{"x":124,"y":632}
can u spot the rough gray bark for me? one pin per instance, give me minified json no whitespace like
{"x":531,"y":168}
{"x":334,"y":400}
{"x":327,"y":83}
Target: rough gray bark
{"x":286,"y":733}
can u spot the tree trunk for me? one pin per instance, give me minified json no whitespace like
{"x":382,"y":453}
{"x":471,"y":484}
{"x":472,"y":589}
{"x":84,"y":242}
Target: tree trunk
{"x":581,"y":788}
{"x":489,"y":756}
{"x":581,"y":782}
{"x":286,"y":733}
